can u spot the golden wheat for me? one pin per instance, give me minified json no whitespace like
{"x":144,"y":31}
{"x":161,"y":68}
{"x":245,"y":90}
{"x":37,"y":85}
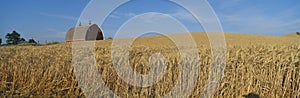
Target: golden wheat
{"x":268,"y":66}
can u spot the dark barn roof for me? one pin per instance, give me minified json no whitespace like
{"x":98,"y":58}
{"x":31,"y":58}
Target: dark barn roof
{"x":82,"y":33}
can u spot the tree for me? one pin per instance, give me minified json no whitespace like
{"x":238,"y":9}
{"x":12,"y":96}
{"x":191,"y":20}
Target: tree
{"x":298,"y":33}
{"x":22,"y":40}
{"x":109,"y":38}
{"x":14,"y":38}
{"x":0,"y":41}
{"x":31,"y":41}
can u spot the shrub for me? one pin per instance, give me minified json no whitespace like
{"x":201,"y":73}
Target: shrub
{"x":109,"y":38}
{"x":52,"y":43}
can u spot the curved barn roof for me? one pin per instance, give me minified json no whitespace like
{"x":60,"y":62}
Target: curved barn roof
{"x":81,"y":33}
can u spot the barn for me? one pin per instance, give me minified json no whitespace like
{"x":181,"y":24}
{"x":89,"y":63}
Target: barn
{"x":84,"y":33}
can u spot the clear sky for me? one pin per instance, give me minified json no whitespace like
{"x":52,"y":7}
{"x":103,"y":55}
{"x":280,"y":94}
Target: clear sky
{"x":51,"y":19}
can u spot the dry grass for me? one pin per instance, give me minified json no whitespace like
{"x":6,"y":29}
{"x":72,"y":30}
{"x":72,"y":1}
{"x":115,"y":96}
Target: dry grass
{"x":268,"y":66}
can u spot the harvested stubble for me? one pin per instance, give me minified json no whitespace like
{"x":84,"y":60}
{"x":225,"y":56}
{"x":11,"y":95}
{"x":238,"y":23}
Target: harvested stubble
{"x":268,"y":66}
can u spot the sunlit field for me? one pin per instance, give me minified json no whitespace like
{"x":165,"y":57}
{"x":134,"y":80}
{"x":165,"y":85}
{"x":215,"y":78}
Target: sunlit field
{"x":264,"y":65}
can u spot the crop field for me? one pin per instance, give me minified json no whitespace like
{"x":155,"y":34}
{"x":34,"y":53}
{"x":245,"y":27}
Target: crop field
{"x":268,"y":66}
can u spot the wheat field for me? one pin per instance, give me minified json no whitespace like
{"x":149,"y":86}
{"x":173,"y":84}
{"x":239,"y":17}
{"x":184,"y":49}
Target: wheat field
{"x":265,"y":65}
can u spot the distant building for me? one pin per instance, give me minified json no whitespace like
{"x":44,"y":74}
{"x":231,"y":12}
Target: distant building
{"x":84,"y":33}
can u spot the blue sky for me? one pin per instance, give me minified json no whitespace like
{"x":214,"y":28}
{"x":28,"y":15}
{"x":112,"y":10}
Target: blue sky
{"x":50,"y":19}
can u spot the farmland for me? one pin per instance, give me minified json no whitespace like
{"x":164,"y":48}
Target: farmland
{"x":264,"y":65}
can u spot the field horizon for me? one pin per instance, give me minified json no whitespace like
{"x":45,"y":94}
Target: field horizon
{"x":264,"y":65}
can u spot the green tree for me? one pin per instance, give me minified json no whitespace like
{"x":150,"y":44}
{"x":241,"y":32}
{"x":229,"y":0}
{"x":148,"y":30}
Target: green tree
{"x":22,"y":40}
{"x":0,"y":41}
{"x":32,"y":41}
{"x":298,"y":33}
{"x":109,"y":38}
{"x":14,"y":38}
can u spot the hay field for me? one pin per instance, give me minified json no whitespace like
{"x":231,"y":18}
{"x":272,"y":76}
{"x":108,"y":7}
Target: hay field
{"x":264,"y":65}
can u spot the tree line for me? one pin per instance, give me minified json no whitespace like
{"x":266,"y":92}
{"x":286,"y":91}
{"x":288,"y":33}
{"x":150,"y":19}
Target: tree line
{"x":14,"y":38}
